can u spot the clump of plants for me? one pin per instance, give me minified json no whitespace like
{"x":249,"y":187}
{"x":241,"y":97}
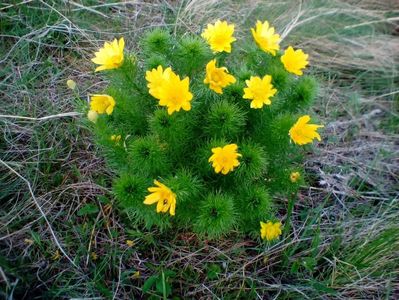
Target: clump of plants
{"x":202,"y":131}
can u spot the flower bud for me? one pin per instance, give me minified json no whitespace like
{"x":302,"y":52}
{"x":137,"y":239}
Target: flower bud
{"x":295,"y":176}
{"x":71,"y":84}
{"x":92,"y":116}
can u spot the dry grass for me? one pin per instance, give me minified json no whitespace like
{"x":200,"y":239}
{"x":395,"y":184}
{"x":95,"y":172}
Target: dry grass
{"x":351,"y":203}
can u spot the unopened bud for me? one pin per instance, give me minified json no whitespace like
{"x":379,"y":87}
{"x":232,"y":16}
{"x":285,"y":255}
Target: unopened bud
{"x":71,"y":84}
{"x":92,"y":116}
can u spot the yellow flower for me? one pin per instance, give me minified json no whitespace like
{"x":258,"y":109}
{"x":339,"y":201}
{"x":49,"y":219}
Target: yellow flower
{"x":102,"y":104}
{"x":265,"y":37}
{"x":116,"y":138}
{"x":294,"y":60}
{"x":110,"y":56}
{"x":130,"y":243}
{"x":163,"y":196}
{"x":270,"y":230}
{"x":295,"y":176}
{"x":219,"y":36}
{"x":156,"y":78}
{"x":217,"y":78}
{"x":302,"y":133}
{"x":175,"y":94}
{"x":92,"y":116}
{"x":225,"y":159}
{"x":260,"y":90}
{"x":167,"y":87}
{"x":71,"y":84}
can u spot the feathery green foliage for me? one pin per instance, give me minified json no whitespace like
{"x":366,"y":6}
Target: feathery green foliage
{"x":175,"y":148}
{"x":217,"y":215}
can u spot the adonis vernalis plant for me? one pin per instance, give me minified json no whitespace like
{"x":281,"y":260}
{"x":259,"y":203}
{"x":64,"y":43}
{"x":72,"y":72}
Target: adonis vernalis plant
{"x":202,"y":130}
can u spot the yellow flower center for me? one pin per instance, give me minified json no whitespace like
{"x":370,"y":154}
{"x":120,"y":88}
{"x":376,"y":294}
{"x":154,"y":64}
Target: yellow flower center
{"x":220,"y":39}
{"x":217,"y":76}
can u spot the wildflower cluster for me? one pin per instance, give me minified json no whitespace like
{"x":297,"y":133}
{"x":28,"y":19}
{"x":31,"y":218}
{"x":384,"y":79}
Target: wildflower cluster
{"x":203,"y":130}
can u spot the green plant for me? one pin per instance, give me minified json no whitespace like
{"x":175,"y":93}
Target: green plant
{"x":161,"y":283}
{"x":216,"y":157}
